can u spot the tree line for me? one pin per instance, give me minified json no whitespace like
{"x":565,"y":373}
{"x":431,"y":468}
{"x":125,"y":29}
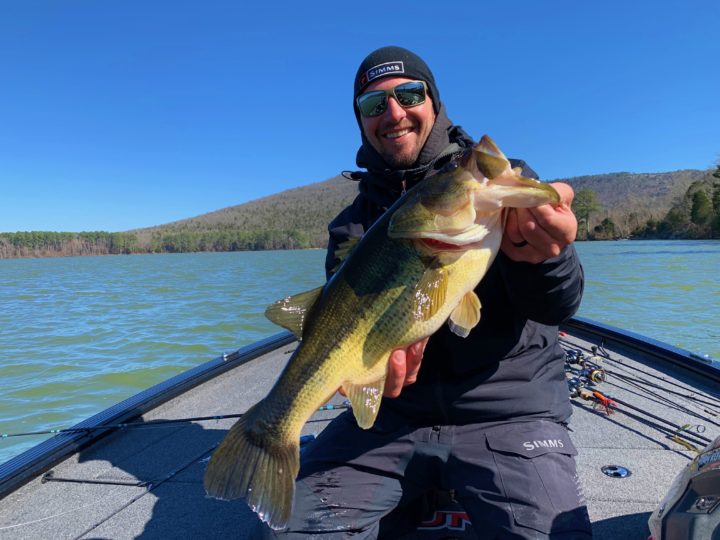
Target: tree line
{"x":55,"y":244}
{"x":298,"y":218}
{"x":696,"y":216}
{"x":49,"y":244}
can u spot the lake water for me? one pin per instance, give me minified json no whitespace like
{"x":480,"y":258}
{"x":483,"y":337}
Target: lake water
{"x":80,"y":334}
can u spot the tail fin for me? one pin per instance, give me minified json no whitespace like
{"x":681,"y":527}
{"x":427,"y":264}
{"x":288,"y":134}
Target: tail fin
{"x":255,"y":467}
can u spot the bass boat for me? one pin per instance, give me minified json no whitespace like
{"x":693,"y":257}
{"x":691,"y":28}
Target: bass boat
{"x":646,"y":424}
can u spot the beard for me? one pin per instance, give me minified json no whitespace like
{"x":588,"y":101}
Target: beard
{"x":401,"y":161}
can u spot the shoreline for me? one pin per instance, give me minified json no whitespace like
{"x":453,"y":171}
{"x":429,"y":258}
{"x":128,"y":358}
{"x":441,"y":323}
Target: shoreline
{"x":68,"y":255}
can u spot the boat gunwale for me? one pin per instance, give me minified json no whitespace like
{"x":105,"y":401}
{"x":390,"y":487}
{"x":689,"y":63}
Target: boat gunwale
{"x":26,"y":466}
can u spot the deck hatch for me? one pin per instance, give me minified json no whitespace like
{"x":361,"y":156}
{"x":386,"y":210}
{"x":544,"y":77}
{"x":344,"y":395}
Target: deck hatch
{"x":616,"y":471}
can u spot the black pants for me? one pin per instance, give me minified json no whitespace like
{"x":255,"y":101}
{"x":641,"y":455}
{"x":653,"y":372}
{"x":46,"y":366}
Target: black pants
{"x":514,"y":480}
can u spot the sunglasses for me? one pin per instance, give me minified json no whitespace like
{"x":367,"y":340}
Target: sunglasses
{"x":375,"y":102}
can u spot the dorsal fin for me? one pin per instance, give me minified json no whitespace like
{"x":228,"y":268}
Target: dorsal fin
{"x":490,"y":160}
{"x":344,"y":249}
{"x":291,"y":312}
{"x":487,"y":146}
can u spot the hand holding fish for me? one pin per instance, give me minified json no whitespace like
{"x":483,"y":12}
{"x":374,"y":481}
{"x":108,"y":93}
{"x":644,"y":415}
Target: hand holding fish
{"x":413,"y":271}
{"x":536,"y":234}
{"x":403,"y":368}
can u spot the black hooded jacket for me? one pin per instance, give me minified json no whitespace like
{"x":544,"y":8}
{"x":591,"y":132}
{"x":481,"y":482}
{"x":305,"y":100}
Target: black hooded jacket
{"x":511,"y":366}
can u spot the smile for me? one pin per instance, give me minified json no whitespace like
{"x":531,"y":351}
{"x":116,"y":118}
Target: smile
{"x":397,"y":134}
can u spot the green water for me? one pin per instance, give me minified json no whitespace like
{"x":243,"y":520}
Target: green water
{"x":80,"y":334}
{"x":668,"y":290}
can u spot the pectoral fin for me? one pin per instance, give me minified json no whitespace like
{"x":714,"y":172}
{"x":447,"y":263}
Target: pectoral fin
{"x":466,"y":315}
{"x":291,"y":312}
{"x":365,"y":399}
{"x":430,"y":293}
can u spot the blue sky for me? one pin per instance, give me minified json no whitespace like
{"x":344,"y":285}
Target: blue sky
{"x":116,"y":115}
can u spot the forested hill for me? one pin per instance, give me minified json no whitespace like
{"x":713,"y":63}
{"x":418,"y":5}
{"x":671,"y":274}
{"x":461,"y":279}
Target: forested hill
{"x":631,"y":199}
{"x":298,"y":218}
{"x":299,"y":214}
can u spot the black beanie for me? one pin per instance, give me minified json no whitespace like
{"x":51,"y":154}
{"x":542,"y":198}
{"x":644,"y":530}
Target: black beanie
{"x":394,"y":62}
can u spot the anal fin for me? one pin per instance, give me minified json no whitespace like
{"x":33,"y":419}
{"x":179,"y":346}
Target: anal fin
{"x":365,"y":399}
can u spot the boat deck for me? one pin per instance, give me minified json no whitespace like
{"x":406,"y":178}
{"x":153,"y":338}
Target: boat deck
{"x":146,"y":482}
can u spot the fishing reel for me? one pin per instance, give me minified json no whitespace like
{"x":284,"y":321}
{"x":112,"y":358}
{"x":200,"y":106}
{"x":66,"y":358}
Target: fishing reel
{"x":590,"y":370}
{"x":575,"y":385}
{"x":594,"y":374}
{"x":574,"y":357}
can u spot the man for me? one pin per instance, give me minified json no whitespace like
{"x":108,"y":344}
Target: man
{"x":484,"y":415}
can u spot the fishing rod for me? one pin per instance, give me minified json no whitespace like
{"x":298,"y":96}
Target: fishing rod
{"x":579,"y":387}
{"x":668,"y":402}
{"x":152,"y":484}
{"x":699,"y":428}
{"x":678,"y":429}
{"x":601,"y":352}
{"x":679,"y":434}
{"x":153,"y":424}
{"x":590,"y":374}
{"x":575,"y":356}
{"x":630,"y":379}
{"x":646,"y":386}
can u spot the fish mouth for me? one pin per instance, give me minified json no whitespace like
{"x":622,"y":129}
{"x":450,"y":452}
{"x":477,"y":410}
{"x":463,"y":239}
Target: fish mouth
{"x":469,"y":238}
{"x":439,"y":245}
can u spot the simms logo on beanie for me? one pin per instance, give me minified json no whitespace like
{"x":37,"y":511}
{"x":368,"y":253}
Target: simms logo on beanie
{"x":395,"y":62}
{"x":388,"y":68}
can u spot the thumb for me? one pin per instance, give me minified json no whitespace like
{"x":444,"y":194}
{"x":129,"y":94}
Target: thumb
{"x":565,"y":191}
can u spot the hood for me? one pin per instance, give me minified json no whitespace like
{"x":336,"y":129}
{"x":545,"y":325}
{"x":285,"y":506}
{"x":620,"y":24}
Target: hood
{"x":385,"y":185}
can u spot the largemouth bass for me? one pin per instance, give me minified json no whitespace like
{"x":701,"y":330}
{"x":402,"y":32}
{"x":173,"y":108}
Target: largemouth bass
{"x":413,"y":270}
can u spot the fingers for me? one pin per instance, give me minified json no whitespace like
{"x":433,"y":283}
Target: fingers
{"x":537,"y":234}
{"x":565,"y":191}
{"x":558,"y":221}
{"x":522,"y":241}
{"x":403,"y":368}
{"x":395,"y":379}
{"x":414,"y":360}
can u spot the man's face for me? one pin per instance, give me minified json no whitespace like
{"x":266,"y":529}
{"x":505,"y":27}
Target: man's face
{"x":398,"y":134}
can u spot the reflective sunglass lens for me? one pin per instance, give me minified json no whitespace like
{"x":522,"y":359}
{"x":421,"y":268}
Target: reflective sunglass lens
{"x":372,"y":103}
{"x":375,"y":102}
{"x":410,"y":94}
